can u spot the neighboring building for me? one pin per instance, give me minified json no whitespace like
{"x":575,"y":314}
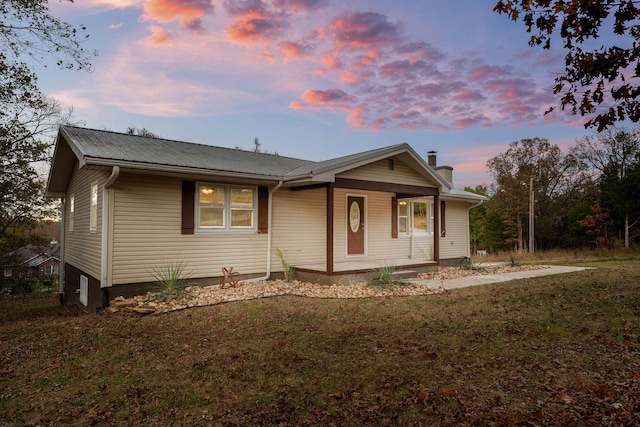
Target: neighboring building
{"x":132,"y":203}
{"x":31,"y":261}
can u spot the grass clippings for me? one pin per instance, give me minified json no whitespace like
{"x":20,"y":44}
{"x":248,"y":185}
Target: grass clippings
{"x":555,"y":350}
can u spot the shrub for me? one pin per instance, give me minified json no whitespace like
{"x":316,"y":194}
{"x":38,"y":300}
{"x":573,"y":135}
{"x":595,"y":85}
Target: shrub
{"x":383,"y":277}
{"x":172,"y":281}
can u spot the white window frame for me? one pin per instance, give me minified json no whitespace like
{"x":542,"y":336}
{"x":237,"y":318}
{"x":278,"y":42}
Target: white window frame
{"x":411,"y":219}
{"x":226,"y":216}
{"x":93,"y":207}
{"x":72,"y":211}
{"x":8,"y":272}
{"x":50,"y":269}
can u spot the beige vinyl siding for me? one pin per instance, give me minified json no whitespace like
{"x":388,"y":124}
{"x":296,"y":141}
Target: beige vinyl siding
{"x":147,"y":233}
{"x":380,"y":246}
{"x":379,"y":171}
{"x":82,"y":246}
{"x":299,"y":227}
{"x":456,"y":242}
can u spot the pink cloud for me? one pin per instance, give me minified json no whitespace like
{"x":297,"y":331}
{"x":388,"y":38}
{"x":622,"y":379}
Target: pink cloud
{"x":254,"y":21}
{"x":468,"y":122}
{"x":293,"y":50}
{"x":159,"y":36}
{"x":300,"y":5}
{"x":488,"y":72}
{"x":327,"y":96}
{"x":188,"y":12}
{"x":467,"y":95}
{"x":364,"y":30}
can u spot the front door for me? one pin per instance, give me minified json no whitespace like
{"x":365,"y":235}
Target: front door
{"x":355,"y":225}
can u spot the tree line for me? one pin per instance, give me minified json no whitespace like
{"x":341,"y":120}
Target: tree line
{"x":587,"y":196}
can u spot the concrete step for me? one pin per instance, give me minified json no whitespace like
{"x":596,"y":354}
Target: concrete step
{"x":405,"y":274}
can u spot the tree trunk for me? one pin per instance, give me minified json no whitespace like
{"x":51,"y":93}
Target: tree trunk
{"x":520,"y":237}
{"x":626,"y":230}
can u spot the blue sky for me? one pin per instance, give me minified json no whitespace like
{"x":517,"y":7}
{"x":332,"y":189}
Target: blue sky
{"x":317,"y":79}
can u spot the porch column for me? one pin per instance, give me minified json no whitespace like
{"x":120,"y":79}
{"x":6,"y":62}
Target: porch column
{"x":329,"y":229}
{"x":436,"y":228}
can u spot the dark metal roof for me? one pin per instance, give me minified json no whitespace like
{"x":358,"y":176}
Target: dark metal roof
{"x":119,"y":147}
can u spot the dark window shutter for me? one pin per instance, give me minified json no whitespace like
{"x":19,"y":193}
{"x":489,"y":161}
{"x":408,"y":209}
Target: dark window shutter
{"x":443,"y":227}
{"x":188,"y":205}
{"x":394,"y":217}
{"x":263,"y":210}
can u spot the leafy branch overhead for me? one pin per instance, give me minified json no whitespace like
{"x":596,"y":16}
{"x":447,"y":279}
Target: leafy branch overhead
{"x":597,"y":80}
{"x":28,"y":118}
{"x":27,"y":27}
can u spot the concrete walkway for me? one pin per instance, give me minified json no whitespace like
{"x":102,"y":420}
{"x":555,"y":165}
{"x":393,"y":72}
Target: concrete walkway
{"x":463,"y":282}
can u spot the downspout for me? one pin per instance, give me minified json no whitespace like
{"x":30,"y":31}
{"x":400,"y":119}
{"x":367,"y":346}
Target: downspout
{"x":104,"y":262}
{"x":63,"y":227}
{"x":269,"y":236}
{"x":468,"y":226}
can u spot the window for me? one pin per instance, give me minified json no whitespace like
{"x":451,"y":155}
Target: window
{"x":416,"y":215}
{"x":93,"y":212}
{"x":8,"y":272}
{"x":72,"y":210}
{"x":221,"y":207}
{"x":403,"y":216}
{"x":51,"y":269}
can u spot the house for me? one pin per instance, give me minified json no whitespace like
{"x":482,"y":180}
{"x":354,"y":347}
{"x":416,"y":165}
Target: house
{"x":31,"y":261}
{"x":132,"y":203}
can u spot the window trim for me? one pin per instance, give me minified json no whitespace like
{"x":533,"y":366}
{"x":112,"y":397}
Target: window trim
{"x":93,"y":208}
{"x":227,"y":227}
{"x":72,"y":211}
{"x":411,"y":220}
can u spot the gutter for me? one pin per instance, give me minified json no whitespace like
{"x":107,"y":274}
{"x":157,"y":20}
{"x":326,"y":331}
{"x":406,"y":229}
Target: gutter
{"x":269,"y":237}
{"x":468,"y":226}
{"x":104,"y":258}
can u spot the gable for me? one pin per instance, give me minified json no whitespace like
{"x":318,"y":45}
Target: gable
{"x":382,"y":171}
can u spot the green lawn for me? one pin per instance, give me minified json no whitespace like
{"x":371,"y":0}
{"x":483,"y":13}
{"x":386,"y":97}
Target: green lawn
{"x":557,"y":350}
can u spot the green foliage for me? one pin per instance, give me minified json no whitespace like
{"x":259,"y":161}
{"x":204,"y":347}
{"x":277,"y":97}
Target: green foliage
{"x":514,"y":261}
{"x":471,"y":264}
{"x":172,"y":281}
{"x":28,"y":119}
{"x":593,"y":76}
{"x":614,"y":158}
{"x":288,"y":270}
{"x":383,"y":276}
{"x":556,"y":179}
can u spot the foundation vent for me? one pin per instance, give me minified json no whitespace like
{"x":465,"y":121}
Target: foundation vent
{"x":84,"y":290}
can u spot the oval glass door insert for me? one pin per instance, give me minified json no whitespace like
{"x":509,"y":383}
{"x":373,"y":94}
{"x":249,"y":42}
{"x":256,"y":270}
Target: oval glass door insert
{"x":354,"y":217}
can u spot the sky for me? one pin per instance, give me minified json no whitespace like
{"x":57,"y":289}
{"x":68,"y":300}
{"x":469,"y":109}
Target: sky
{"x":317,"y":79}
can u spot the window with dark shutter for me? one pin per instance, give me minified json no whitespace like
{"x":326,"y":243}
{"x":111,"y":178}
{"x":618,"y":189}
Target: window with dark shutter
{"x":394,"y":217}
{"x":263,"y":210}
{"x":188,"y":203}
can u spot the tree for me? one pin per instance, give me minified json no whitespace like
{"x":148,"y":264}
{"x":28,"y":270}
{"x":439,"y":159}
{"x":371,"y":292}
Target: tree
{"x":556,"y":179}
{"x":28,"y":119}
{"x":132,"y":130}
{"x":27,"y":28}
{"x":614,"y":159}
{"x":486,"y":226}
{"x":594,"y":77}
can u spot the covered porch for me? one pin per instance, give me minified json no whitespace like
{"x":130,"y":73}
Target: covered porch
{"x":361,"y":270}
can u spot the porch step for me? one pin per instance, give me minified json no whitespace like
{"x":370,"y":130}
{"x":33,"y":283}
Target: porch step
{"x":405,"y":274}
